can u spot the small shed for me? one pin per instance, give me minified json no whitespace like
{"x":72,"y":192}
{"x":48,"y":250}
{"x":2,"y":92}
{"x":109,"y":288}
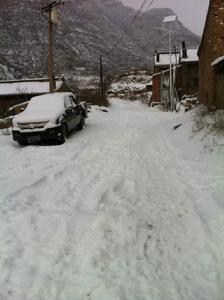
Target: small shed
{"x":14,"y":92}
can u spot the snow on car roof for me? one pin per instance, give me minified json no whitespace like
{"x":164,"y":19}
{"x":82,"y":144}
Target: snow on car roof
{"x":28,"y":86}
{"x":53,"y":97}
{"x":47,"y":102}
{"x":45,"y":107}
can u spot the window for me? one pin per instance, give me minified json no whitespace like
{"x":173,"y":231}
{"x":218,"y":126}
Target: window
{"x":68,"y":102}
{"x":74,"y":101}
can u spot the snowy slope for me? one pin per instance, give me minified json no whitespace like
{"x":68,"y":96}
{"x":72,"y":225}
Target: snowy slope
{"x":86,"y":30}
{"x":121,"y":211}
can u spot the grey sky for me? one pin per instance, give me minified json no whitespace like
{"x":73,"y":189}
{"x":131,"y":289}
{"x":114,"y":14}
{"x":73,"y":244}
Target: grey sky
{"x":191,"y":13}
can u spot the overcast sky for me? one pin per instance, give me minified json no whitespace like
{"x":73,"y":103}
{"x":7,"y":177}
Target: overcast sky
{"x":191,"y":13}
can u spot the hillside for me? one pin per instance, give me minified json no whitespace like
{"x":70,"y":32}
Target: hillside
{"x":86,"y":30}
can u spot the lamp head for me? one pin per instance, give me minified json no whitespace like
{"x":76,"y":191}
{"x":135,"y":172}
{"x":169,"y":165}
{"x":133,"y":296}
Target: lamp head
{"x":170,"y":19}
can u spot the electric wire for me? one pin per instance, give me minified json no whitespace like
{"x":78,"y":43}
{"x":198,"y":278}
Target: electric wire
{"x":130,"y":24}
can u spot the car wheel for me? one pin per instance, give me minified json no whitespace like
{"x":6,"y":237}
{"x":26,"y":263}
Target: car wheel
{"x":64,"y":134}
{"x":81,"y":124}
{"x":22,"y":143}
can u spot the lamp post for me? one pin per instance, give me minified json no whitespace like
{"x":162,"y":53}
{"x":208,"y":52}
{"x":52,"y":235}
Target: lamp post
{"x":169,"y":20}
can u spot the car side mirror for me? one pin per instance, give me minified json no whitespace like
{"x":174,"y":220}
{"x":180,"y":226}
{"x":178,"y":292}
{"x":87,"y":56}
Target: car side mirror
{"x":68,"y":109}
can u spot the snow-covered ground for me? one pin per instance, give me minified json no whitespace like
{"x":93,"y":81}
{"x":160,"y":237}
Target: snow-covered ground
{"x":127,"y":209}
{"x":132,"y":85}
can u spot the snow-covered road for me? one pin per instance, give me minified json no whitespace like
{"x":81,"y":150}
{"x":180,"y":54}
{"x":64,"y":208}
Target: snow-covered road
{"x":122,"y":211}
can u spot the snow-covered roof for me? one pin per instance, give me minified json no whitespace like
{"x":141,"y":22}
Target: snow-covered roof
{"x":217,"y":61}
{"x":27,"y":86}
{"x":192,"y":55}
{"x":164,"y":59}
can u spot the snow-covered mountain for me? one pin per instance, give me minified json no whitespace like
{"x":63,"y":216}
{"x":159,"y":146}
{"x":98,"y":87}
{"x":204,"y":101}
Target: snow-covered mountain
{"x":86,"y":30}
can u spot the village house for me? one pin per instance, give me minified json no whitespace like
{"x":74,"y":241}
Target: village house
{"x":211,"y":57}
{"x":160,"y":78}
{"x":185,"y":71}
{"x":14,"y":92}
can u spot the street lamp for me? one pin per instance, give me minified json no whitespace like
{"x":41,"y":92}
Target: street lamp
{"x":166,"y":30}
{"x":169,"y":20}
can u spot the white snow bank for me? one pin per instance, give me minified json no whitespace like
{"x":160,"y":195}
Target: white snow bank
{"x":217,"y":61}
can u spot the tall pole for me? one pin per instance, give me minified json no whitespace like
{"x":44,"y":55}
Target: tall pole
{"x":101,"y":76}
{"x":171,"y":79}
{"x":49,"y":9}
{"x":52,"y":84}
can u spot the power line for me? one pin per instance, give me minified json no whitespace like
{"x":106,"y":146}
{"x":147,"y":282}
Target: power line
{"x":131,"y":23}
{"x":149,"y":6}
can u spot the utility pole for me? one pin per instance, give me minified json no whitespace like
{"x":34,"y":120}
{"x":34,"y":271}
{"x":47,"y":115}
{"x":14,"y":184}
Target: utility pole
{"x":50,"y":9}
{"x":171,"y":75}
{"x":101,"y":76}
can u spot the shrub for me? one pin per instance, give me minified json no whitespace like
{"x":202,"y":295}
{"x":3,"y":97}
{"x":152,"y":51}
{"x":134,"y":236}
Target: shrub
{"x":212,"y":120}
{"x":94,"y":97}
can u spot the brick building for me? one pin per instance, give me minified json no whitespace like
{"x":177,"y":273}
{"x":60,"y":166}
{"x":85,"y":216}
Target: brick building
{"x":185,"y":70}
{"x":211,"y":60}
{"x":160,"y":78}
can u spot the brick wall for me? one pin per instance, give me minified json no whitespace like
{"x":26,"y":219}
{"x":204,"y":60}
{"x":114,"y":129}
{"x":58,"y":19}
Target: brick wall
{"x":190,"y":80}
{"x":156,"y":88}
{"x":211,"y":48}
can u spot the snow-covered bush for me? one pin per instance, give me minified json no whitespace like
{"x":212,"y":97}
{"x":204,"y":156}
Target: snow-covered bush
{"x":93,"y":97}
{"x":213,"y":121}
{"x":5,"y":125}
{"x":219,"y":120}
{"x":200,"y":114}
{"x":209,"y":126}
{"x":5,"y":131}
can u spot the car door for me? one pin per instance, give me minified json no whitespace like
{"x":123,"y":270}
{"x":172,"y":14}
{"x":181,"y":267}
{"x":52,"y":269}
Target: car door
{"x":77,"y":112}
{"x":69,"y":113}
